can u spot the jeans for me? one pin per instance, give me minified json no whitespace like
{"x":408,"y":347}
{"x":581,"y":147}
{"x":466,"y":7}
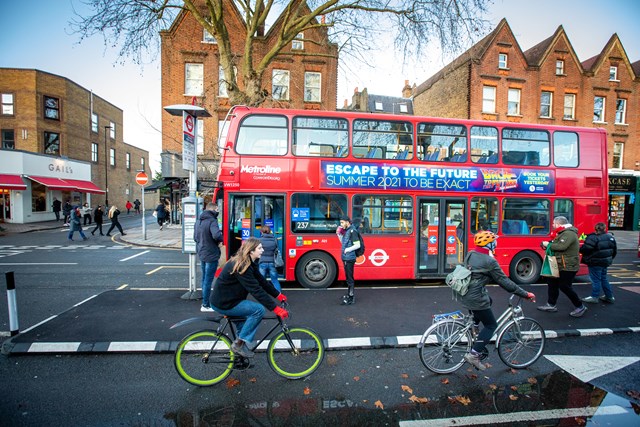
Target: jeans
{"x":270,"y":268}
{"x":598,"y":276}
{"x":252,"y":311}
{"x":70,"y":236}
{"x":490,"y":325}
{"x":208,"y":273}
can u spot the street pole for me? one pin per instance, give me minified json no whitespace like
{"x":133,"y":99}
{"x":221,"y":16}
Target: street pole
{"x":106,"y":168}
{"x":144,"y":225}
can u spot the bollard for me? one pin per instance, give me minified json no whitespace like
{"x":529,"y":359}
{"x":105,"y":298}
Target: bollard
{"x":13,"y":307}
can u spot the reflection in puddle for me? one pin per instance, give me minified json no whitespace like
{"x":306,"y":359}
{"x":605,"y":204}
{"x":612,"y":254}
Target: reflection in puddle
{"x":557,"y":399}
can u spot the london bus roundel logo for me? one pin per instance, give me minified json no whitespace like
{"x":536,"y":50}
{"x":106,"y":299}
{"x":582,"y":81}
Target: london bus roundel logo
{"x":378,"y":257}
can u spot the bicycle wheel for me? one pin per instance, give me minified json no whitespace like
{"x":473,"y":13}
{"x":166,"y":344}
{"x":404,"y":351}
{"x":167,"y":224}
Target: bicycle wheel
{"x":443,"y":346}
{"x":204,"y":358}
{"x":521,"y":343}
{"x":296,"y":353}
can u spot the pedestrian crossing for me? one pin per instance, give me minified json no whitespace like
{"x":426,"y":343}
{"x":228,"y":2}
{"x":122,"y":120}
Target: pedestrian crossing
{"x":11,"y":250}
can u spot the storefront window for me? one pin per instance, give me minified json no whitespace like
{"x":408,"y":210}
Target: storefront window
{"x":38,"y":197}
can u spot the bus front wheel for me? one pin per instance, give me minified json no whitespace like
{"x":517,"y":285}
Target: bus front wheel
{"x":525,"y":268}
{"x":316,"y":270}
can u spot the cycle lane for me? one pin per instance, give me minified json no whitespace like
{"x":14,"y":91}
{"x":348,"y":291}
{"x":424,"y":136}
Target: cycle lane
{"x":133,"y":320}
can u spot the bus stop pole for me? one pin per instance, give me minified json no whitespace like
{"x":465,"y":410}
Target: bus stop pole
{"x":144,"y":225}
{"x":12,"y":302}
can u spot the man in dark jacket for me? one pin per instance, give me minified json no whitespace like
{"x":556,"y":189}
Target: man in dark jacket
{"x":565,"y":247}
{"x":57,"y":207}
{"x":484,"y":270}
{"x":598,"y":251}
{"x":208,"y":239}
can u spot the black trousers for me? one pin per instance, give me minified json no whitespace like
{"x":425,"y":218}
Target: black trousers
{"x":490,"y":325}
{"x":564,"y":284}
{"x":115,"y":224}
{"x":349,"y":266}
{"x":98,"y":227}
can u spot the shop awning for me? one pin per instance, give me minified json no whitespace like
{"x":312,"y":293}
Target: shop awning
{"x":159,"y":184}
{"x":11,"y":182}
{"x":67,"y":184}
{"x":85,"y":186}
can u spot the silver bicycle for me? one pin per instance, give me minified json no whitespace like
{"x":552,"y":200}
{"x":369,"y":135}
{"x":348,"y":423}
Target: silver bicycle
{"x":520,"y":340}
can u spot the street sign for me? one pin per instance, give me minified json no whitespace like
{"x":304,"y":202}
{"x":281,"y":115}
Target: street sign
{"x":142,"y":178}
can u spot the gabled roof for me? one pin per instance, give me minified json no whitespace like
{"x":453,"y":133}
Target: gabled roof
{"x":636,"y":68}
{"x":594,"y":63}
{"x":539,"y":53}
{"x":474,"y":53}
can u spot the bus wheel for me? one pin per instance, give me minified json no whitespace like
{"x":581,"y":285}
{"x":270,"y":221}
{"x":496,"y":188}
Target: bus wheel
{"x":316,"y":270}
{"x":525,"y":268}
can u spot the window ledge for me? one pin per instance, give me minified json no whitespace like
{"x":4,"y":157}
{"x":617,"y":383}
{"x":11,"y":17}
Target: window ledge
{"x":546,"y":117}
{"x":490,"y":112}
{"x":614,"y":81}
{"x":621,"y":124}
{"x":514,"y":115}
{"x":504,"y":68}
{"x":561,"y":75}
{"x":570,"y":119}
{"x":600,"y":123}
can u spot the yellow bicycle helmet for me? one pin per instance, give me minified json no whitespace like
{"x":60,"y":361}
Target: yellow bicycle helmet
{"x":483,"y":238}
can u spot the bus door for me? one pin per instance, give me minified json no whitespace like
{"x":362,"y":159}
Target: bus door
{"x":441,"y":241}
{"x":247,"y":215}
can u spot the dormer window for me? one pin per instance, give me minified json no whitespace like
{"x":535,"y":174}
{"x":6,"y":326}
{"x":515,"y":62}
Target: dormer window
{"x":613,"y":74}
{"x":502,"y":61}
{"x":378,"y":106}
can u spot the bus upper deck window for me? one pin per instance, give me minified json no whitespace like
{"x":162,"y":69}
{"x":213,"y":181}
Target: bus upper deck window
{"x":263,"y":135}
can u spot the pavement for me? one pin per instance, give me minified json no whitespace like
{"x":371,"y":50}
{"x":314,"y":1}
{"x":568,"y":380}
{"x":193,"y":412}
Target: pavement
{"x":139,"y":320}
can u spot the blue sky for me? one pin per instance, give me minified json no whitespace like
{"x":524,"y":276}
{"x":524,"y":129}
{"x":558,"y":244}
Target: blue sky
{"x":36,"y":35}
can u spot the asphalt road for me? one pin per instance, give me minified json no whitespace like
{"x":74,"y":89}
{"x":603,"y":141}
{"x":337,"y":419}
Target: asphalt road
{"x":352,"y":387}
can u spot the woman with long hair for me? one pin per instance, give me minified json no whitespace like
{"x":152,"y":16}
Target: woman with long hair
{"x":240,"y":277}
{"x":113,"y":215}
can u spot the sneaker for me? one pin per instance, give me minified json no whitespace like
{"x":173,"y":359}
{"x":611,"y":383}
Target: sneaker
{"x":206,"y":309}
{"x":161,"y":228}
{"x":348,"y":300}
{"x":85,"y":238}
{"x":474,"y":360}
{"x":607,"y":299}
{"x":548,"y":307}
{"x":590,"y":300}
{"x":239,"y":347}
{"x":578,"y":312}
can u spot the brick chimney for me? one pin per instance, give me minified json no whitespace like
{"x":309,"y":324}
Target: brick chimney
{"x":407,"y":91}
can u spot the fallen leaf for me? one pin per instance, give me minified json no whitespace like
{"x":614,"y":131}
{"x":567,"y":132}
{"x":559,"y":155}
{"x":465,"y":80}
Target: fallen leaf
{"x":307,"y":390}
{"x":580,"y":421}
{"x":533,"y":380}
{"x":253,"y":380}
{"x":356,"y":378}
{"x":513,"y":371}
{"x":464,"y":400}
{"x":404,"y":375}
{"x":493,"y":387}
{"x":445,"y":381}
{"x":512,"y":397}
{"x":634,"y":393}
{"x":472,"y":376}
{"x":417,"y":399}
{"x":379,"y":404}
{"x":232,"y":382}
{"x":407,"y":389}
{"x":514,"y":388}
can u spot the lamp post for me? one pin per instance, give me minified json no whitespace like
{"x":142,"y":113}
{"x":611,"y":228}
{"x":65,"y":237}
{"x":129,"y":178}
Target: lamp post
{"x":106,"y":167}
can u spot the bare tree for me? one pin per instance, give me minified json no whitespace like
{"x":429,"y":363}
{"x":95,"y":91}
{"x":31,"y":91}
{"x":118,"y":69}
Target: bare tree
{"x":354,"y":25}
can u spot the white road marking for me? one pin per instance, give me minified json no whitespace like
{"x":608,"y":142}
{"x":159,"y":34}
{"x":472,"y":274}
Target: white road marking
{"x":39,"y":263}
{"x":166,"y":263}
{"x":514,"y":417}
{"x":54,"y":347}
{"x":133,"y":256}
{"x":587,"y":368}
{"x":132,"y":346}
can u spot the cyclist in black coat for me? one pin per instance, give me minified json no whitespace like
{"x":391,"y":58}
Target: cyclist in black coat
{"x":598,"y":251}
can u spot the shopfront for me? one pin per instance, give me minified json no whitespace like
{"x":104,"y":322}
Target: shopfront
{"x":30,"y":182}
{"x":623,"y":208}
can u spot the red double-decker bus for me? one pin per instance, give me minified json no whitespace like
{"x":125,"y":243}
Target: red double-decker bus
{"x":418,"y":187}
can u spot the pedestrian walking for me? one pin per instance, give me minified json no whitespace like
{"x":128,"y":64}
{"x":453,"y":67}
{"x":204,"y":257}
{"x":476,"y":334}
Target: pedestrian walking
{"x":66,"y":211}
{"x":160,"y":214}
{"x":208,"y":237}
{"x":136,"y":206}
{"x":57,"y":207}
{"x":239,"y":278}
{"x":485,"y":270}
{"x":128,"y":206}
{"x":86,"y":214}
{"x":598,"y":251}
{"x":98,"y":214}
{"x":267,"y":265}
{"x":167,"y":211}
{"x":114,"y":212}
{"x":565,"y":247}
{"x":75,"y":225}
{"x":350,"y":242}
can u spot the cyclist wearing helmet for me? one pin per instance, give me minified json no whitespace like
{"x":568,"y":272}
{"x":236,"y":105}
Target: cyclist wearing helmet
{"x":485,"y":270}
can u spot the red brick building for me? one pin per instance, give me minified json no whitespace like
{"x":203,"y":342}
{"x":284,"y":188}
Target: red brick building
{"x":304,"y":75}
{"x":548,"y":84}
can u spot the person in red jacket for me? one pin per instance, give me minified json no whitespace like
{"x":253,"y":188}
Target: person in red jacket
{"x":240,"y":277}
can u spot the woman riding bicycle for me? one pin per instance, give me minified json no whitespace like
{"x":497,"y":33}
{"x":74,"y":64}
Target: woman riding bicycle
{"x":485,"y":269}
{"x":240,"y":277}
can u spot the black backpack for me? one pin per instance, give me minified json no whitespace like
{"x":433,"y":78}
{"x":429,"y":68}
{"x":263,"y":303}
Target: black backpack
{"x":359,"y":251}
